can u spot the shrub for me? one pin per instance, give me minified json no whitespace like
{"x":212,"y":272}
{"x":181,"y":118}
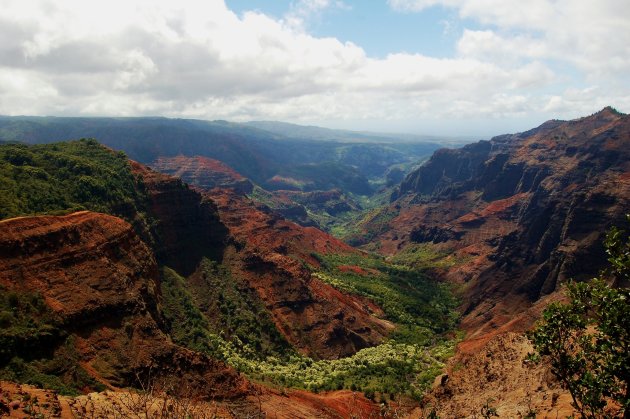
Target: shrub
{"x":588,"y":339}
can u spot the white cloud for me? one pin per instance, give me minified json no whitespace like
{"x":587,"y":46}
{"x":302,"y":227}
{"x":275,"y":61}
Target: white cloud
{"x":582,"y":101}
{"x":197,"y":58}
{"x":589,"y":35}
{"x":587,"y":39}
{"x":491,"y":46}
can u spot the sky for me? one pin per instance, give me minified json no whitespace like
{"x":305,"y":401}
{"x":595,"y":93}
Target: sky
{"x":437,"y":67}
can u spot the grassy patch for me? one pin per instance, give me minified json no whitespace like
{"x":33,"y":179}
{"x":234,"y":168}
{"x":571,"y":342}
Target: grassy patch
{"x":421,"y":307}
{"x":367,"y":226}
{"x":423,"y":256}
{"x":391,"y":368}
{"x":60,"y":372}
{"x":258,"y":194}
{"x":26,"y":324}
{"x":425,"y":317}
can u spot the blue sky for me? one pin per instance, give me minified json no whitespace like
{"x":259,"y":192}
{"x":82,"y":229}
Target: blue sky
{"x":472,"y":68}
{"x":375,"y":26}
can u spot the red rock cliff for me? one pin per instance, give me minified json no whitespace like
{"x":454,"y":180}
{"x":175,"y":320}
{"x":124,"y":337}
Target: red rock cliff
{"x":102,"y":281}
{"x":521,"y":213}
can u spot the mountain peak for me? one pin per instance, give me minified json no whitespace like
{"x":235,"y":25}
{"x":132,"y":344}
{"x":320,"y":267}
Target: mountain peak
{"x":607,"y":113}
{"x":610,"y":110}
{"x":605,"y":116}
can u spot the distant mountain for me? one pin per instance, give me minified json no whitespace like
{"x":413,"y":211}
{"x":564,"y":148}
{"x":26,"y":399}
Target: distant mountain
{"x":310,"y":132}
{"x":260,"y":155}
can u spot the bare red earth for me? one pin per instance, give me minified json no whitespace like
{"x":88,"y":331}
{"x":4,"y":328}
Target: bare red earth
{"x":24,"y":401}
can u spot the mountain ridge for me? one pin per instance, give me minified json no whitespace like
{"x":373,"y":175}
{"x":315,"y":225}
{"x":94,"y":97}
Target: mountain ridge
{"x":533,"y":204}
{"x":257,"y":154}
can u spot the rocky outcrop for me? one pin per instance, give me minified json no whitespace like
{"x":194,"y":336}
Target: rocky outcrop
{"x":185,"y":227}
{"x":269,"y":253}
{"x":203,"y":172}
{"x":332,"y":202}
{"x":499,"y":376}
{"x":102,"y":283}
{"x":519,"y":214}
{"x":447,"y":172}
{"x":88,"y":265}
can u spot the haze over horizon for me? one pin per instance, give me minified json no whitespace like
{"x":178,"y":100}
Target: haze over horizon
{"x":440,"y":67}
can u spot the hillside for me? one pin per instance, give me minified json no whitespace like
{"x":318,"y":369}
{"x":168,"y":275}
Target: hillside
{"x":93,"y":287}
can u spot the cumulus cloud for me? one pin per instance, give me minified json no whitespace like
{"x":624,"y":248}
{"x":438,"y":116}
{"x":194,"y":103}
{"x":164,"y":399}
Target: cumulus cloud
{"x":590,"y":35}
{"x":198,"y":59}
{"x":587,"y":40}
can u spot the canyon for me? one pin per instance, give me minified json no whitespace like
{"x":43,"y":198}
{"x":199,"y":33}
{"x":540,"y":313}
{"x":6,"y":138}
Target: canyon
{"x":502,"y":224}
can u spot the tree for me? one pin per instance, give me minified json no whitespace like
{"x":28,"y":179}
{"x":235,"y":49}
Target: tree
{"x":587,"y":340}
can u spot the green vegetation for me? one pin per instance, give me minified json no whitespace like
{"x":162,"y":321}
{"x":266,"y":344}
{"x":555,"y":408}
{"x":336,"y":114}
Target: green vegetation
{"x":368,"y":226}
{"x":588,"y":340}
{"x":212,"y":314}
{"x":62,"y":177}
{"x":391,"y":368}
{"x":60,"y":371}
{"x":26,"y":323}
{"x":259,"y":194}
{"x":406,"y":364}
{"x":423,"y":256}
{"x":28,"y":333}
{"x":187,"y":324}
{"x":211,"y":309}
{"x":420,"y":307}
